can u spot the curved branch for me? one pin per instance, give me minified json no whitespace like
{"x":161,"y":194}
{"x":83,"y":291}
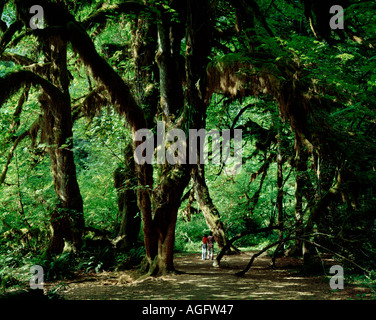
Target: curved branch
{"x":119,"y":90}
{"x":237,"y":237}
{"x":9,"y":33}
{"x":61,"y":22}
{"x":16,"y":58}
{"x":26,"y":62}
{"x":93,"y":101}
{"x":279,"y":242}
{"x":12,"y":82}
{"x":249,"y":265}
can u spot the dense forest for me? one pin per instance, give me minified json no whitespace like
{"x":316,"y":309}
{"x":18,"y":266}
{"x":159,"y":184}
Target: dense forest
{"x":96,"y":99}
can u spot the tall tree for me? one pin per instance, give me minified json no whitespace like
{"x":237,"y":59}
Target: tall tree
{"x":67,"y":219}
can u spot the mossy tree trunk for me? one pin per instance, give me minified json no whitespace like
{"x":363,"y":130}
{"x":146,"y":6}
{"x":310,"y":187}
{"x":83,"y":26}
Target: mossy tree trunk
{"x":280,"y":190}
{"x":209,"y":210}
{"x":67,"y":222}
{"x":160,"y":233}
{"x":194,"y":23}
{"x":125,"y":182}
{"x":301,"y":167}
{"x":159,"y":221}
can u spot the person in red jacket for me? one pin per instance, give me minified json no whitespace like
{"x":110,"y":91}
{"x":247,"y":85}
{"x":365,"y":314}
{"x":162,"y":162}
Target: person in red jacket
{"x":204,"y":246}
{"x":211,"y":246}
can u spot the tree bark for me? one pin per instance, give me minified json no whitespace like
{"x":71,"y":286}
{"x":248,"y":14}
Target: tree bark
{"x":159,"y":224}
{"x":67,"y":221}
{"x":208,"y":208}
{"x":159,"y":211}
{"x":280,"y":189}
{"x":125,"y":182}
{"x":145,"y":67}
{"x":159,"y":228}
{"x":301,"y":167}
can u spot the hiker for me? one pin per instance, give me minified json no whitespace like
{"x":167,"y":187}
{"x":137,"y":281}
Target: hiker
{"x":204,"y":246}
{"x":211,"y":246}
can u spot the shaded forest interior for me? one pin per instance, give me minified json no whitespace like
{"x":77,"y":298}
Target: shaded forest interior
{"x":77,"y":89}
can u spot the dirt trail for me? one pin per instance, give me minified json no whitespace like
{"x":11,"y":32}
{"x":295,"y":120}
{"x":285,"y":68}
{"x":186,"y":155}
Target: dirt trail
{"x":201,"y":281}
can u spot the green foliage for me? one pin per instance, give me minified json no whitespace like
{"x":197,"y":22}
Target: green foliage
{"x":9,"y":13}
{"x":189,"y":234}
{"x":96,"y":260}
{"x":12,"y":271}
{"x":341,"y":73}
{"x":57,"y":267}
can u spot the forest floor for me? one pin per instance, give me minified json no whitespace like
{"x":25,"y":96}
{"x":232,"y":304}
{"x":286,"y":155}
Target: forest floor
{"x":201,"y":281}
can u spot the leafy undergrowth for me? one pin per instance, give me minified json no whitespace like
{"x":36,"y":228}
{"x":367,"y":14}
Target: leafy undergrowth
{"x":15,"y":270}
